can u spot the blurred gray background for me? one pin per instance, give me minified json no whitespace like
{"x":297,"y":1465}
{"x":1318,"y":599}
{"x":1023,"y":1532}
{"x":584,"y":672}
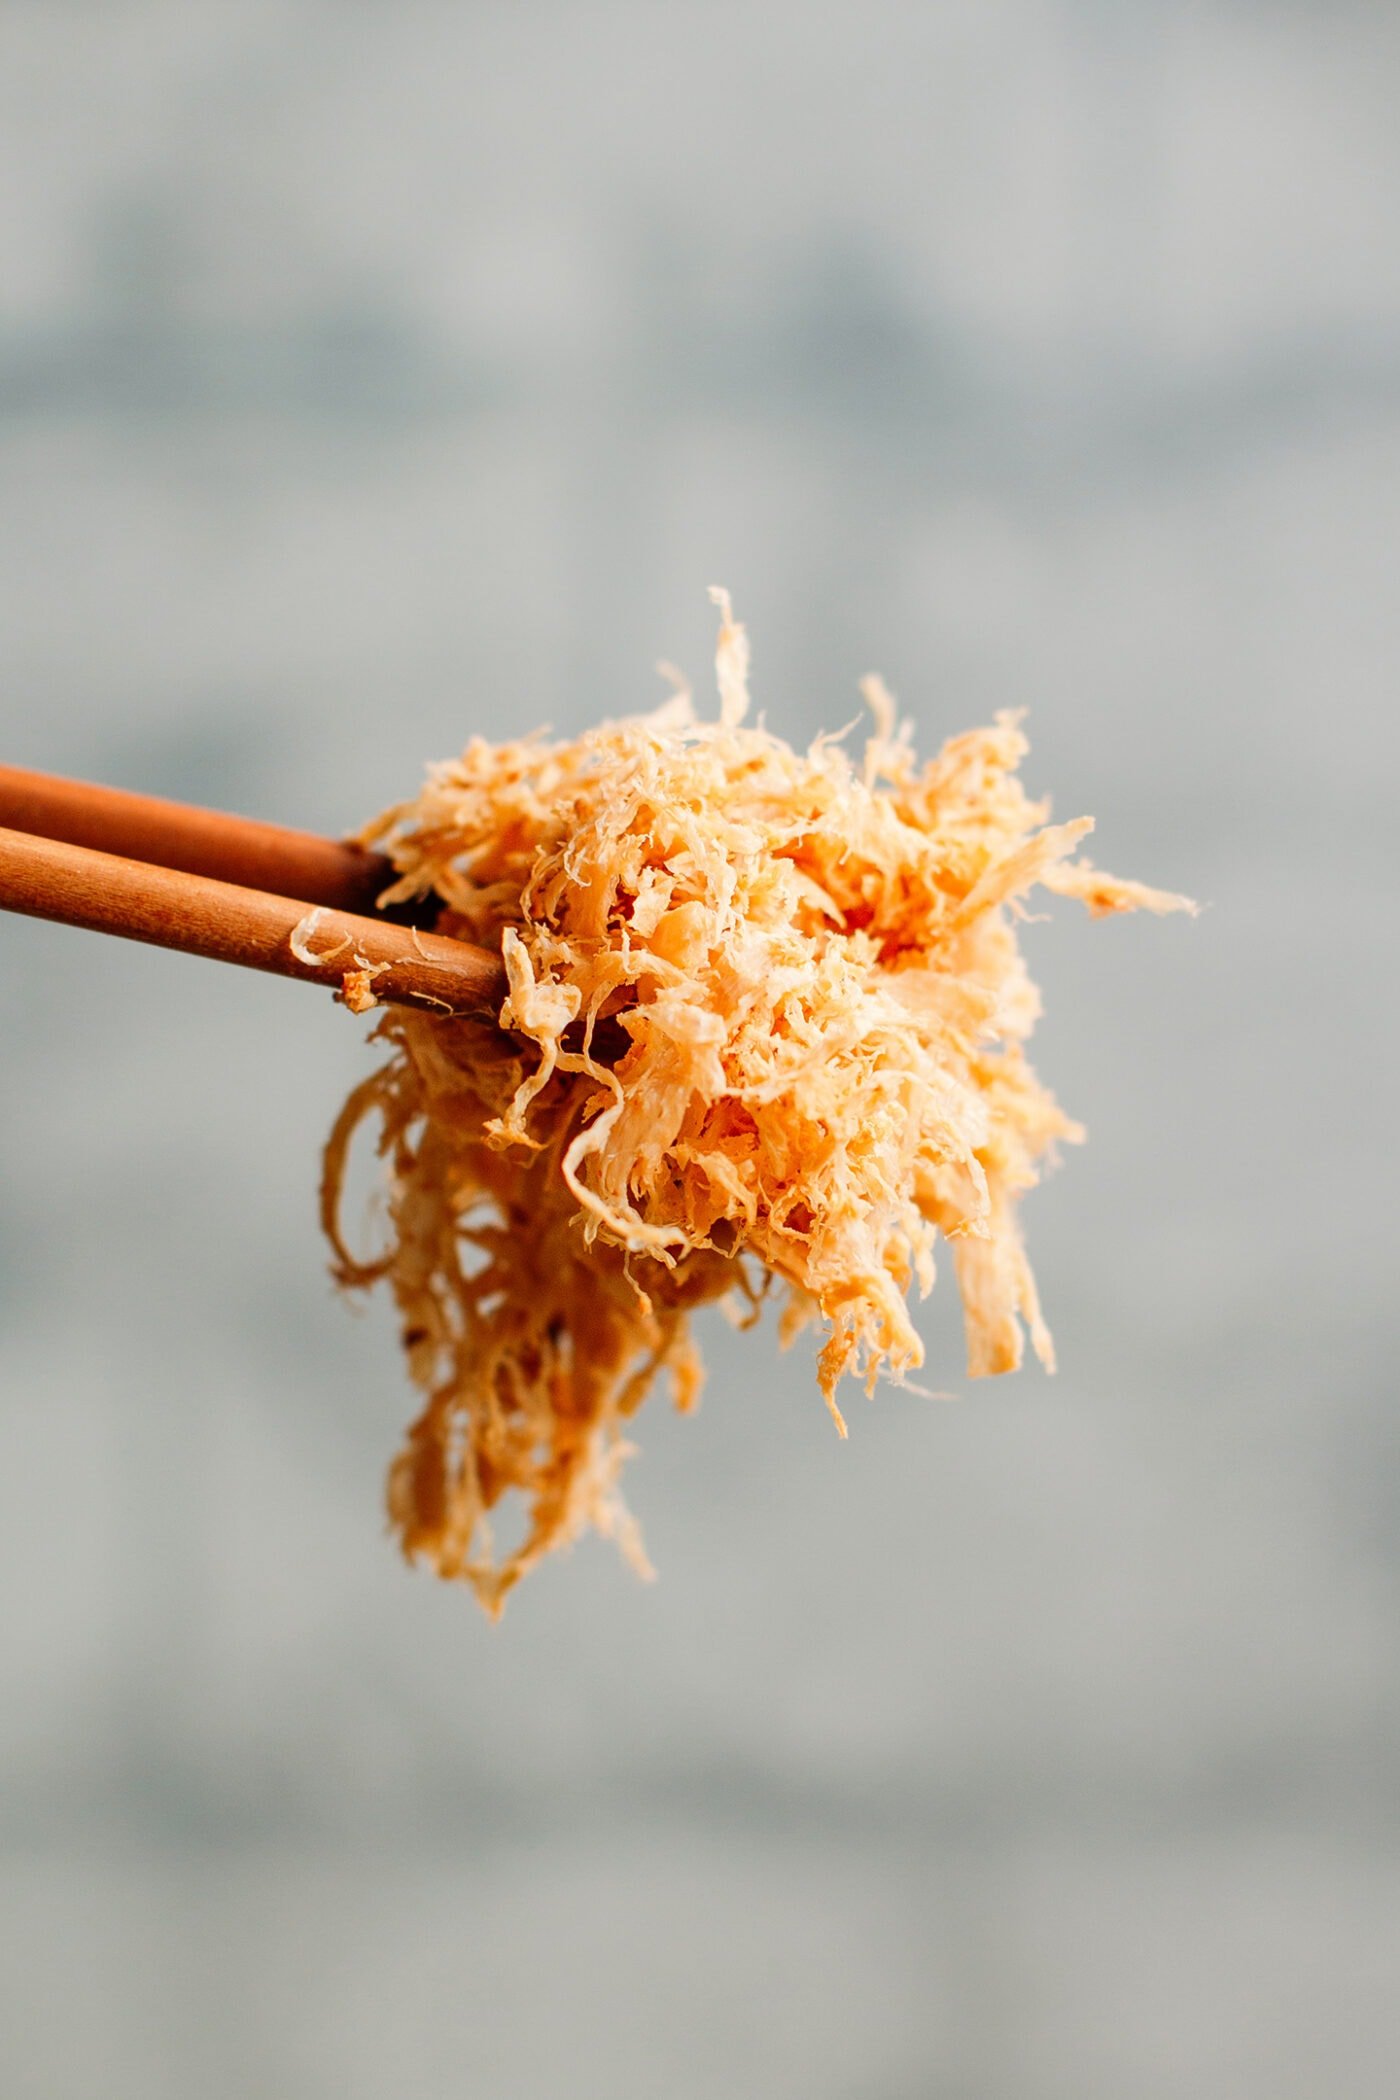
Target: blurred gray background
{"x":374,"y":375}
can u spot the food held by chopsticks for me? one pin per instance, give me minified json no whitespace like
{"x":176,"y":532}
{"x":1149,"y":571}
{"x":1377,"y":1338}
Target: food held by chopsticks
{"x":764,"y":1031}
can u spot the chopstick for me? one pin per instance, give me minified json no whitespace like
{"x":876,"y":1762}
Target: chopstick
{"x":213,"y":842}
{"x":137,"y":897}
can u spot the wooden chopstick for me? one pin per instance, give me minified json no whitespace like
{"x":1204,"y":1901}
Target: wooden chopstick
{"x":212,"y":842}
{"x":172,"y":907}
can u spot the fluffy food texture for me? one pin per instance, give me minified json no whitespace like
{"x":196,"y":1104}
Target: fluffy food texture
{"x":765,"y":1026}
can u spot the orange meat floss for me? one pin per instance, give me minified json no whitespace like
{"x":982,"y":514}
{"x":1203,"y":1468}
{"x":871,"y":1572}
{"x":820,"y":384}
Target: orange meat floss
{"x":764,"y":1032}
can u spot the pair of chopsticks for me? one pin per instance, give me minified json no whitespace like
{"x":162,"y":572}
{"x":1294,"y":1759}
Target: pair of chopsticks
{"x":230,"y":888}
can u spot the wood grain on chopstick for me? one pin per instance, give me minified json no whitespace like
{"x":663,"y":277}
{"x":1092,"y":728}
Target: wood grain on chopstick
{"x":169,"y":908}
{"x":212,"y":842}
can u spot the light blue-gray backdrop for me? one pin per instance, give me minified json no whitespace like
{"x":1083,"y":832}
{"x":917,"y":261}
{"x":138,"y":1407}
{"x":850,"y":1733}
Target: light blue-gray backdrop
{"x":374,"y":375}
